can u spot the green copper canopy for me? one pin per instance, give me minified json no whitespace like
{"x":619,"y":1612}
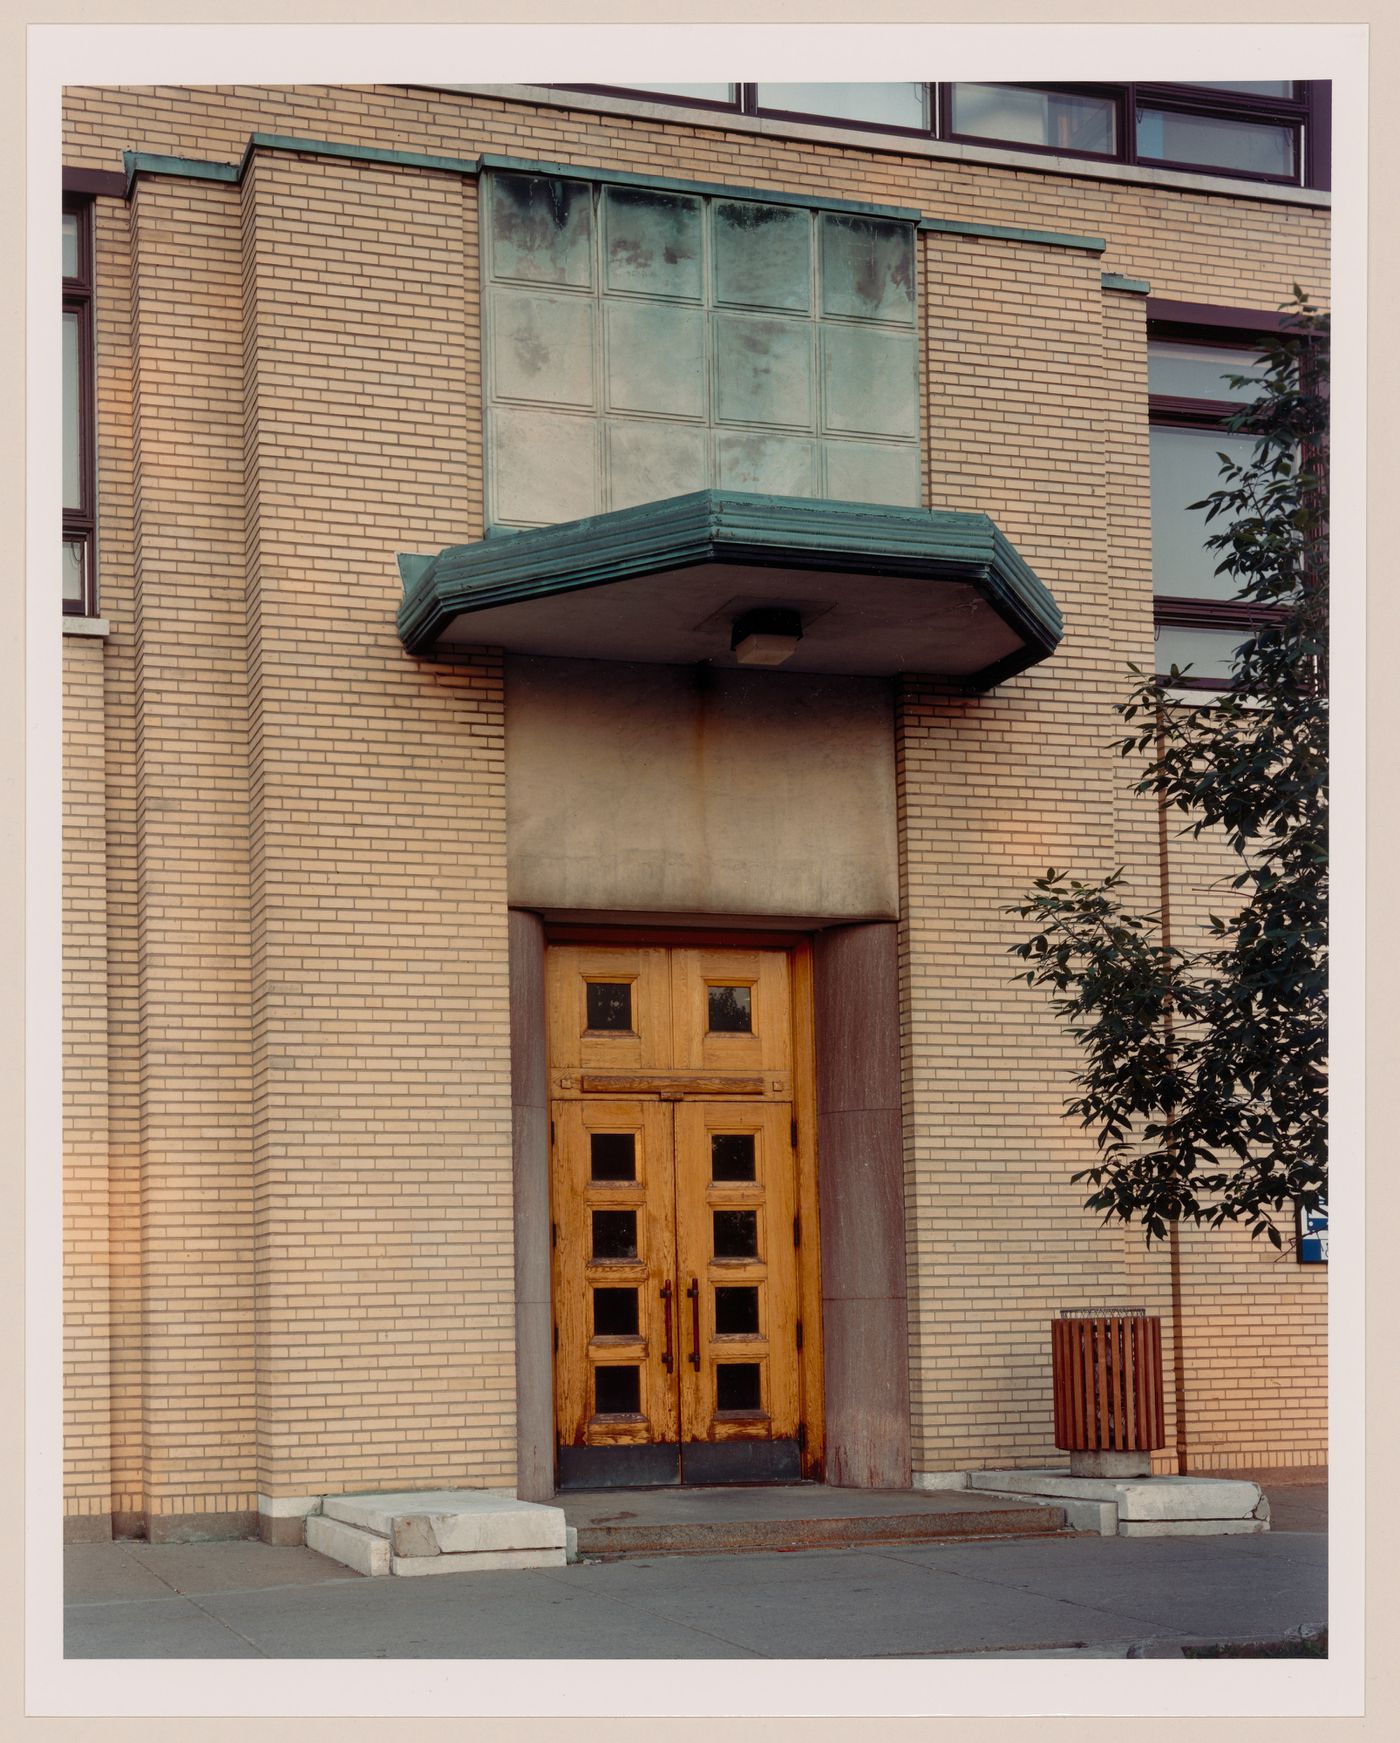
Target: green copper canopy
{"x":879,"y":590}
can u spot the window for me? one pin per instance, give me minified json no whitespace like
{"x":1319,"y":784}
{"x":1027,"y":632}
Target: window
{"x":1243,"y":129}
{"x":1053,"y":120}
{"x":890,"y":105}
{"x":1273,"y":130}
{"x":1198,"y":620}
{"x":644,"y":342}
{"x":79,"y":481}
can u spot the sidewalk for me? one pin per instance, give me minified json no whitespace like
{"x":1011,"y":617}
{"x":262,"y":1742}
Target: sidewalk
{"x":1049,"y":1596}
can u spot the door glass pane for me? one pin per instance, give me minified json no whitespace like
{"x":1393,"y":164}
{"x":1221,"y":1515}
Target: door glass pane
{"x":73,"y":553}
{"x":737,"y":1386}
{"x":1069,"y":123}
{"x":72,"y":414}
{"x":70,"y":244}
{"x":613,"y":1155}
{"x":893,"y":105}
{"x":614,"y":1234}
{"x":736,"y":1234}
{"x":736,"y":1312}
{"x":1185,"y":468}
{"x":1187,"y":371}
{"x":614,"y":1313}
{"x":617,"y":1391}
{"x":1255,"y":147}
{"x":731,"y":1010}
{"x":1210,"y":653}
{"x":731,"y":1156}
{"x":609,"y":1005}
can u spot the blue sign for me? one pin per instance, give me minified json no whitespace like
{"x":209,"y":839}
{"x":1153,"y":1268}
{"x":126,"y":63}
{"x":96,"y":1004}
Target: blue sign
{"x":1312,"y":1235}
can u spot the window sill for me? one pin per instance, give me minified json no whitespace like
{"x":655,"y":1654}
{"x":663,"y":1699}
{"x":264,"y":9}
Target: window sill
{"x":97,"y":626}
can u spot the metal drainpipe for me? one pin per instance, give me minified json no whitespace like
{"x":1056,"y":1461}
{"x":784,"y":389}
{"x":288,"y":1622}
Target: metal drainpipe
{"x":1174,"y":1228}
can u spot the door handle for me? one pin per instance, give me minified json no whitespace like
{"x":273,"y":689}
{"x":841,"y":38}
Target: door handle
{"x":694,"y":1293}
{"x":668,"y":1358}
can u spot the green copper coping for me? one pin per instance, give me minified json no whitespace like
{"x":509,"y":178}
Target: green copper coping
{"x":462,"y":166}
{"x":676,"y":184}
{"x":1010,"y":233}
{"x":149,"y":163}
{"x":740,"y":528}
{"x":1116,"y":281}
{"x":146,"y":163}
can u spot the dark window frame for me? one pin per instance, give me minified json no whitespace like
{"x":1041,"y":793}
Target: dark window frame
{"x":751,"y":106}
{"x":1307,"y":114}
{"x":80,"y":523}
{"x":1293,"y":113}
{"x":1228,"y":329}
{"x":1112,"y":93}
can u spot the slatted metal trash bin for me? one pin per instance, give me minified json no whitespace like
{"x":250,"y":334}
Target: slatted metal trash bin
{"x":1107,"y":1365}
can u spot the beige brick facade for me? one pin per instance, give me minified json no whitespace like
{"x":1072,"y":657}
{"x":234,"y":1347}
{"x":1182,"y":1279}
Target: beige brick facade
{"x":289,"y":1205}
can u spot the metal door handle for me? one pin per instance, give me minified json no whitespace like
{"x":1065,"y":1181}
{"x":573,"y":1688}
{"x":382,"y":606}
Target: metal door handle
{"x":694,"y":1293}
{"x":668,"y":1358}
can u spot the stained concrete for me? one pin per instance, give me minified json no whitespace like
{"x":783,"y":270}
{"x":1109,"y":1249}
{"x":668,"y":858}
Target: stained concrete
{"x":1044,"y":1597}
{"x":688,"y":1521}
{"x":1196,"y":1505}
{"x":632,"y":787}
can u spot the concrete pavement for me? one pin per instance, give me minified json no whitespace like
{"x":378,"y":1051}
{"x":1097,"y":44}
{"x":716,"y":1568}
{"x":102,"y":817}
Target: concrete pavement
{"x":1049,"y":1596}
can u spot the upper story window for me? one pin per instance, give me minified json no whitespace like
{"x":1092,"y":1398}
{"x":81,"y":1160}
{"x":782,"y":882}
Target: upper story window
{"x":1268,"y":130}
{"x":878,"y":105}
{"x":79,"y":467}
{"x":644,"y":342}
{"x":1199,"y":620}
{"x":1051,"y":120}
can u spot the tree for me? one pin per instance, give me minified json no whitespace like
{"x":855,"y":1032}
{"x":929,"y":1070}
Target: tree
{"x":1204,"y":1068}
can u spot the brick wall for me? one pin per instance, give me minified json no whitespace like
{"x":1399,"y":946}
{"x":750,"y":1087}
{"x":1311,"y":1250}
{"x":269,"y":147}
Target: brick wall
{"x":292,"y":927}
{"x":191,"y":815}
{"x":380,"y":1050}
{"x":87,"y":1394}
{"x":992,"y":789}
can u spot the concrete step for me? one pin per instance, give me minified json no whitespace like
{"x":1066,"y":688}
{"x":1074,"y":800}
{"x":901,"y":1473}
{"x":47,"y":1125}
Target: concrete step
{"x":929,"y":1524}
{"x":438,"y":1532}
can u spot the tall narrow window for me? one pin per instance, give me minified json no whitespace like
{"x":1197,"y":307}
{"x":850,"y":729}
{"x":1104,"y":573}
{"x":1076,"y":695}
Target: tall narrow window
{"x":1199,"y":621}
{"x":79,"y":468}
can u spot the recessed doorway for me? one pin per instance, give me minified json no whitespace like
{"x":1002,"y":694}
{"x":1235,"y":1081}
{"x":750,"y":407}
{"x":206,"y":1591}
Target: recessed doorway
{"x":683,"y":1190}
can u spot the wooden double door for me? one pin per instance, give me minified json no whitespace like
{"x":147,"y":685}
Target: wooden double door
{"x":678,"y":1192}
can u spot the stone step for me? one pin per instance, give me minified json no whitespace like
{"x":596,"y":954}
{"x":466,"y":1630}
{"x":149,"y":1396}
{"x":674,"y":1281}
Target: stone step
{"x":363,"y":1551}
{"x":848,"y":1531}
{"x":442,"y":1531}
{"x":1166,"y":1506}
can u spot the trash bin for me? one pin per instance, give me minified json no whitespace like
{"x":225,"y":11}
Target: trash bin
{"x":1107,"y":1365}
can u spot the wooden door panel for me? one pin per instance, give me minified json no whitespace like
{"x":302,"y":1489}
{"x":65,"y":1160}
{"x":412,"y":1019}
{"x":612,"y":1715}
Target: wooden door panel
{"x":609,"y":1009}
{"x":730,"y":1012}
{"x":736,"y":1259}
{"x":675,"y":1163}
{"x":614,"y":1259}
